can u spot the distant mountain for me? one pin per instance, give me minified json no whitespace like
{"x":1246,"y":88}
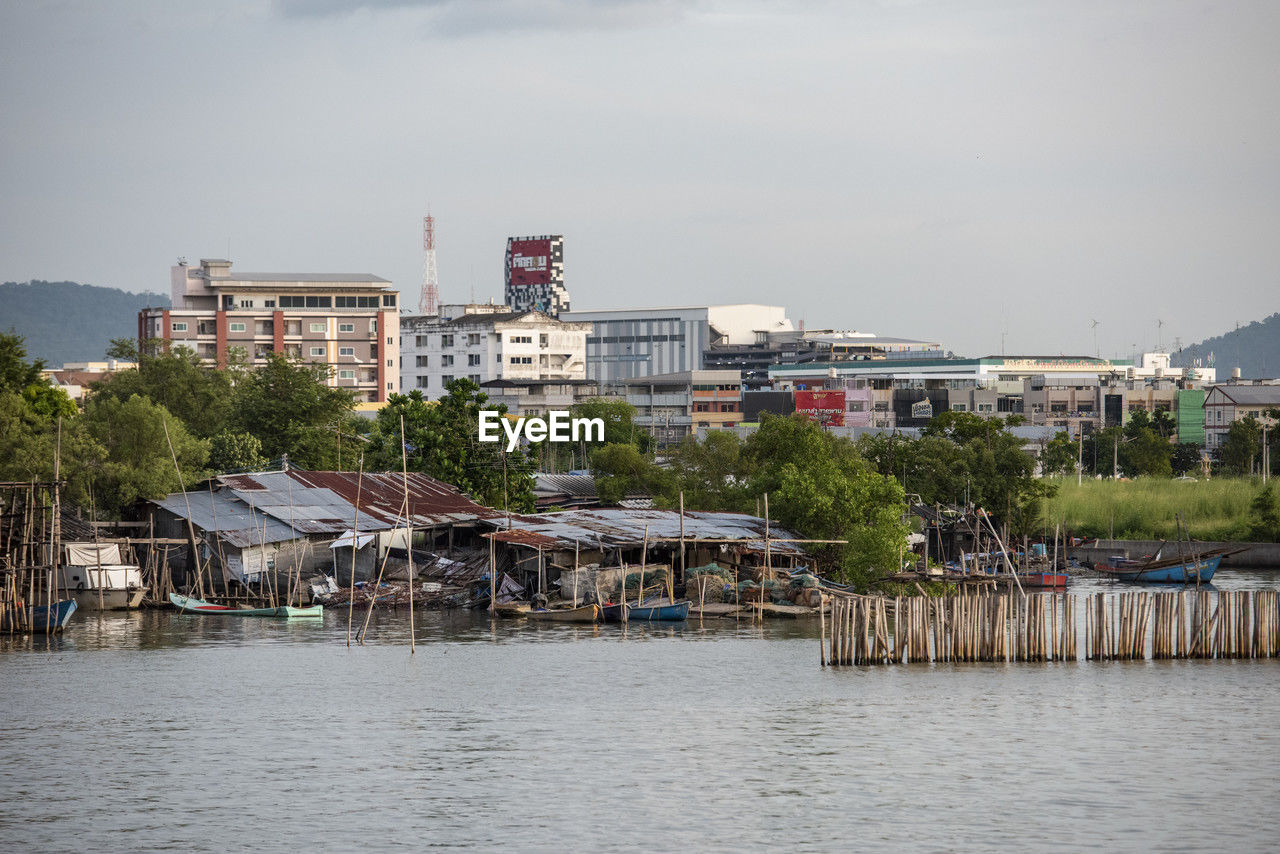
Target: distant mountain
{"x":68,"y":322}
{"x":1254,"y":349}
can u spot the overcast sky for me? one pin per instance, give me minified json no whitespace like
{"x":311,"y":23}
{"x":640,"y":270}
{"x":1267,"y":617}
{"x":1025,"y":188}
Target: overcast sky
{"x":966,"y":172}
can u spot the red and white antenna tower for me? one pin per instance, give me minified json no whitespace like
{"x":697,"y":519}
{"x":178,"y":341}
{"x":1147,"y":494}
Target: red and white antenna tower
{"x":429,"y":302}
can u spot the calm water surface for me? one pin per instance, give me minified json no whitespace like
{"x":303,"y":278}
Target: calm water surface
{"x":162,"y":731}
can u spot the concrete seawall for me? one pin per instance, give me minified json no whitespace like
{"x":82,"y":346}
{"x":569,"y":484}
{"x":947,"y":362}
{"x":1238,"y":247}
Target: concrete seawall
{"x":1255,"y":556}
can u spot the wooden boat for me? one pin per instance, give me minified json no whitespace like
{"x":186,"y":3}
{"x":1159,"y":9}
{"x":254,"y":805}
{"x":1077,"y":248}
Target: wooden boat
{"x":1044,"y":580}
{"x":581,"y":614}
{"x":1172,"y":571}
{"x":191,"y":605}
{"x":666,"y":611}
{"x":39,"y":619}
{"x":510,"y":609}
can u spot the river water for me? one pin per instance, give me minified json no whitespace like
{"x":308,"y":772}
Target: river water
{"x":163,"y":731}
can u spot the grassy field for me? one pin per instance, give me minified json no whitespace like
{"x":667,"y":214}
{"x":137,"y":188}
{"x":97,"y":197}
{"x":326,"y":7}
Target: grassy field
{"x":1147,"y":508}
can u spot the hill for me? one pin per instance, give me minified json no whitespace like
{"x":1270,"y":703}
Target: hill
{"x":1254,"y":349}
{"x":68,"y":322}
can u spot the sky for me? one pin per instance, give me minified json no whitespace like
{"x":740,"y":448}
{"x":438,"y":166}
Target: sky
{"x":994,"y":176}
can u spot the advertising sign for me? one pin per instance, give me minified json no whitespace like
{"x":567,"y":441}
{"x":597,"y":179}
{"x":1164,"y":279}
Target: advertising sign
{"x":922,"y":409}
{"x":825,"y":406}
{"x":529,"y":261}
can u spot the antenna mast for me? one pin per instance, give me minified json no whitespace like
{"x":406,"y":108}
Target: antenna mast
{"x":429,"y":302}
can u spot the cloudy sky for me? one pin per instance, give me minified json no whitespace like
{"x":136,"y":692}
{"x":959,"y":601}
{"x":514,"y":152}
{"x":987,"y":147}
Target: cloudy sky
{"x":984,"y":174}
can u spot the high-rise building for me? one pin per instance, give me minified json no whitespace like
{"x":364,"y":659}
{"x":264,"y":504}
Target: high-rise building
{"x":535,"y":274}
{"x":348,"y":321}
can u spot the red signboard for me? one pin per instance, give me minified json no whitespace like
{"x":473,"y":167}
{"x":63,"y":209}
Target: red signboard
{"x":825,"y":406}
{"x":529,"y":262}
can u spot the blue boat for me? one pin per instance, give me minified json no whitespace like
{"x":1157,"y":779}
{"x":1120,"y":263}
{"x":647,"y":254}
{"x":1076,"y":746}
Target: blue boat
{"x":38,"y":620}
{"x":667,"y":611}
{"x":1174,"y":571}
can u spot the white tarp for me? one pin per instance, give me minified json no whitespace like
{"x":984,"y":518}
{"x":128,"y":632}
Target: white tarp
{"x":92,"y":554}
{"x":344,"y":542}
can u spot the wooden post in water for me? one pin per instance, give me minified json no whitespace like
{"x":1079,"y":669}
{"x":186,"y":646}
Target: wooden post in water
{"x":355,"y":546}
{"x":408,"y":534}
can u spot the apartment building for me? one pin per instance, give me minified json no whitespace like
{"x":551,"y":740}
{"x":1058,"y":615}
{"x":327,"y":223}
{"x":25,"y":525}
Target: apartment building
{"x":484,"y":342}
{"x":1225,"y":404}
{"x":673,"y":406}
{"x":346,"y":321}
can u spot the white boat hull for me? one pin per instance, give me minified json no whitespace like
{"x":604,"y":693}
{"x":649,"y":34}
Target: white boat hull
{"x":111,"y":600}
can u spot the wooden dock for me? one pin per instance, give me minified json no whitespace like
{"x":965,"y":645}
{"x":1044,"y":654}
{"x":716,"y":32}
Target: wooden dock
{"x":1002,"y":627}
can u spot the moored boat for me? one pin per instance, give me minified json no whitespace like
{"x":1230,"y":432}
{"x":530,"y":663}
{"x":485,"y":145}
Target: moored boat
{"x":1044,"y":580}
{"x":1174,"y":571}
{"x":39,"y":619}
{"x":665,"y":611}
{"x":581,"y":614}
{"x":191,"y":605}
{"x":95,"y":575}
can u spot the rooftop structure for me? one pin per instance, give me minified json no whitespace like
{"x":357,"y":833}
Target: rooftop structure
{"x":534,"y":272}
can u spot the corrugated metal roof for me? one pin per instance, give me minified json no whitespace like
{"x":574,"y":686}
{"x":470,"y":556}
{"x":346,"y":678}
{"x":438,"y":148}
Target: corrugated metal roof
{"x":233,"y":520}
{"x":324,"y":501}
{"x":612,"y":527}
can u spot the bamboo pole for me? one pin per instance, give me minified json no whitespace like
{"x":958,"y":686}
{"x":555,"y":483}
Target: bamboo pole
{"x":408,"y":534}
{"x":355,"y":547}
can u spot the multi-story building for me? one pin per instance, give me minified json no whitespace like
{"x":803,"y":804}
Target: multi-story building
{"x":797,"y":347}
{"x":1231,"y":402}
{"x":535,"y":274}
{"x":484,"y":342}
{"x":629,"y":343}
{"x":347,"y":321}
{"x":673,"y":406}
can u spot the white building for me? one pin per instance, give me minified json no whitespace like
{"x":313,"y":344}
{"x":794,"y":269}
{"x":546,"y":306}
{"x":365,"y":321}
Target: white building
{"x":488,"y":342}
{"x":1226,"y":404}
{"x":641,"y":342}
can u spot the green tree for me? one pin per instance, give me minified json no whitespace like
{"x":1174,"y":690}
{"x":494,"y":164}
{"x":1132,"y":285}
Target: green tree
{"x":138,"y":464}
{"x":1185,"y":458}
{"x":16,"y":373}
{"x":197,"y":394}
{"x":1264,"y":516}
{"x":1059,"y":455}
{"x":442,"y":439}
{"x":234,"y":452}
{"x":621,"y":470}
{"x":821,"y":488}
{"x":1241,"y":446}
{"x":291,"y":409}
{"x":705,"y":469}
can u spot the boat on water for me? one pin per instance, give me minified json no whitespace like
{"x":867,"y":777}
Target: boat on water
{"x":1044,"y":580}
{"x":98,"y":579}
{"x":1196,"y":570}
{"x":38,"y":619}
{"x":581,"y":614}
{"x":661,"y":611}
{"x":191,"y":605}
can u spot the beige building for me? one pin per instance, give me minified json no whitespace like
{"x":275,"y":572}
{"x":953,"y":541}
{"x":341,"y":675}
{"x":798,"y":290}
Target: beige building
{"x":1226,"y":404}
{"x":673,"y":406}
{"x":347,"y":321}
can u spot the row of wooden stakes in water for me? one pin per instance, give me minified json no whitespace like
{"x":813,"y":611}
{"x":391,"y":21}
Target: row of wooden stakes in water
{"x":1048,"y":627}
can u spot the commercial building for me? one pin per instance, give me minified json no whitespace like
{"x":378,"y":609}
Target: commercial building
{"x":346,"y":321}
{"x":485,"y":342}
{"x":673,"y":406}
{"x":801,"y":347}
{"x":629,"y":343}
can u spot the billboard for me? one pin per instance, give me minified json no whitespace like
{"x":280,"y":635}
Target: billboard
{"x":529,"y":261}
{"x":825,"y":406}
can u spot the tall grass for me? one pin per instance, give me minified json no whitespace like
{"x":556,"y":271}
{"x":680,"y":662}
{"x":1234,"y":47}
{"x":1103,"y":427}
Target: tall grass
{"x":1147,"y":508}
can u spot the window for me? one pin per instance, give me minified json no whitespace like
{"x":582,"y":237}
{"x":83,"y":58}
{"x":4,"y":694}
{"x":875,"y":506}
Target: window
{"x":293,"y":302}
{"x":390,"y":341}
{"x":420,"y":340}
{"x":346,"y":327}
{"x":423,"y":382}
{"x":445,"y":379}
{"x":318,"y":351}
{"x":236,"y":327}
{"x":390,"y":364}
{"x":179,"y":326}
{"x":264,"y":327}
{"x":373,"y":326}
{"x":422,"y":362}
{"x":346,"y":375}
{"x":344,"y":302}
{"x":957,"y":407}
{"x":347,"y":351}
{"x":317,"y":327}
{"x":269,"y":303}
{"x":522,"y":360}
{"x":446,"y":340}
{"x":475,"y":378}
{"x":542,"y":340}
{"x":293,"y":327}
{"x":246,"y":303}
{"x":521,"y":339}
{"x":473,"y":339}
{"x":389,"y":300}
{"x":319,"y":302}
{"x":446,"y":361}
{"x":473,"y":360}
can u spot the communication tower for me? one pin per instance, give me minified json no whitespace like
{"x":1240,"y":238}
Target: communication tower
{"x":429,"y":302}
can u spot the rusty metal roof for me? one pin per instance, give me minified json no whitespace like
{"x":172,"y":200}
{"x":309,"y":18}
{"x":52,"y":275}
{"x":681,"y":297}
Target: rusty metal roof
{"x":325,"y":501}
{"x":613,"y":527}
